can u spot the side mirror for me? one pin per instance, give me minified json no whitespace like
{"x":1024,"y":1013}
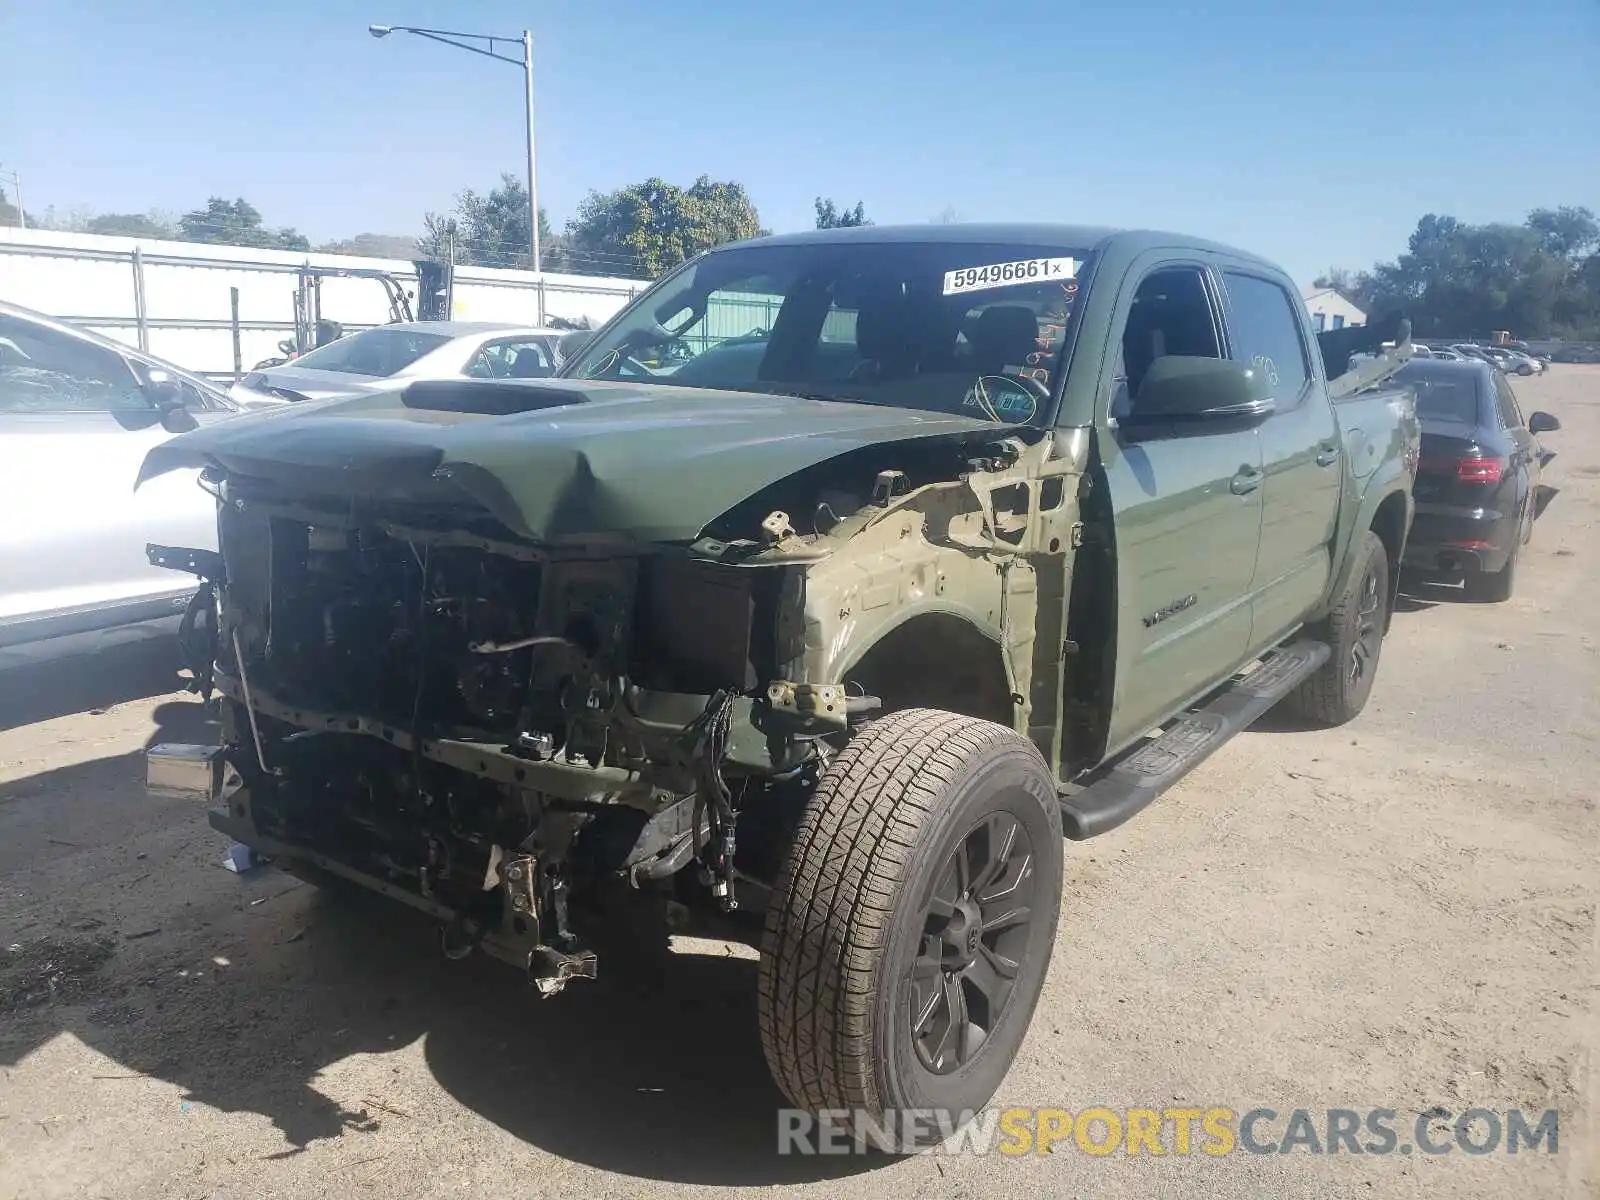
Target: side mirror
{"x":1542,"y":422}
{"x":166,"y":396}
{"x":1185,"y":390}
{"x":571,"y":344}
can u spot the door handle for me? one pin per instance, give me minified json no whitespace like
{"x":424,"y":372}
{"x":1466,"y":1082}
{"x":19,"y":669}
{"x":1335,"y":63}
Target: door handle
{"x":1327,"y":454}
{"x":1245,"y":481}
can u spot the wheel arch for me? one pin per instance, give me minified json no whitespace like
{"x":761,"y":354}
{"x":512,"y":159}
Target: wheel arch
{"x":936,"y":658}
{"x":1390,"y":523}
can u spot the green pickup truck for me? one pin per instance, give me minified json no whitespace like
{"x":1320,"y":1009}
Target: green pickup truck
{"x":826,"y":588}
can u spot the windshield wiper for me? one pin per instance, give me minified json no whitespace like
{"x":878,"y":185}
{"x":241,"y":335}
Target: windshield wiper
{"x":828,"y":398}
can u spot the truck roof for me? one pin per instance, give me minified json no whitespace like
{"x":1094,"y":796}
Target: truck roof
{"x":1088,"y":237}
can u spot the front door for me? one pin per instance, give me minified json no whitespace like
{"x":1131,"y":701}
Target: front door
{"x":1187,"y":515}
{"x":1301,"y":454}
{"x":72,"y":542}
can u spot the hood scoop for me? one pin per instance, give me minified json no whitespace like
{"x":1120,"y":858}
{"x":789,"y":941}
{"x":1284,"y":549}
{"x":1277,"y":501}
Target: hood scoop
{"x":488,"y":397}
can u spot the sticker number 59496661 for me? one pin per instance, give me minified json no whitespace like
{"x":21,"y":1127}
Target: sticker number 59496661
{"x":1027,"y":270}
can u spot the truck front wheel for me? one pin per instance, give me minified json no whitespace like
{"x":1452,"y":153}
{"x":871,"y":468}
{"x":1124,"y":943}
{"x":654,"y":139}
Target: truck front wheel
{"x":1354,"y":631}
{"x":908,"y":939}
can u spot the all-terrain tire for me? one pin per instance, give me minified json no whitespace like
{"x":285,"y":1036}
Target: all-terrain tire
{"x":1354,"y":630}
{"x":845,"y":956}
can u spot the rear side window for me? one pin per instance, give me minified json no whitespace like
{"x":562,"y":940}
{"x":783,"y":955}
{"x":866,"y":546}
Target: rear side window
{"x":513,"y":358}
{"x":1266,"y":334}
{"x":1506,"y":403}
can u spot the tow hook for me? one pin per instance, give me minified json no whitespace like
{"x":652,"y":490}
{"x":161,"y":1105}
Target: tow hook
{"x":549,"y":969}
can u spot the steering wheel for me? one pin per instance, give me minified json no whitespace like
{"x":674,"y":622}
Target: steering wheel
{"x":617,"y":365}
{"x":1030,"y":388}
{"x":629,"y":367}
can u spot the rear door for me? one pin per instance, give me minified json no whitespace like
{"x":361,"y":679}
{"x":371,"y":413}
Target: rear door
{"x":76,"y":425}
{"x":1301,"y":452}
{"x":1187,"y":511}
{"x":1521,"y":448}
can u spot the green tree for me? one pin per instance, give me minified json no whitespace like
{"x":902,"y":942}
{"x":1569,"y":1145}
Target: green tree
{"x":10,"y":214}
{"x":490,"y":230}
{"x":1340,"y":279}
{"x":373,"y":245}
{"x":831,"y":216}
{"x":147,"y":225}
{"x":1536,"y":279}
{"x":1569,"y":233}
{"x":654,"y":226}
{"x":237,"y":223}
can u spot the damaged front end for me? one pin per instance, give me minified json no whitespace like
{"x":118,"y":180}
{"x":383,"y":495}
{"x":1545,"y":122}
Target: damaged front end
{"x":478,"y":727}
{"x":533,"y":740}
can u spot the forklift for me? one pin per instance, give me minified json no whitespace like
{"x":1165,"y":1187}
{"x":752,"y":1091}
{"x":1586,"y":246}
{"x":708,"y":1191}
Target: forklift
{"x":311,"y":329}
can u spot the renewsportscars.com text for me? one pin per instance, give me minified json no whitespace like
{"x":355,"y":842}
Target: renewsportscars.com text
{"x":1212,"y":1131}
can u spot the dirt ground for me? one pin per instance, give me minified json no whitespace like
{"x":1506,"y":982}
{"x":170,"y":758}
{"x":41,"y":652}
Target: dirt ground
{"x":1397,"y":914}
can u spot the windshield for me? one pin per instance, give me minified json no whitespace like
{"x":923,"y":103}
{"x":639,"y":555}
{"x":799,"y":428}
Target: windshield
{"x":377,"y":352}
{"x":971,"y":328}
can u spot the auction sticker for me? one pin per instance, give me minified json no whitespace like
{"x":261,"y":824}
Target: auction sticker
{"x":1027,"y":270}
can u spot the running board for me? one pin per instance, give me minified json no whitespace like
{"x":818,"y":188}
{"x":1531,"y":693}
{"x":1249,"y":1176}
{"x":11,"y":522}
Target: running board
{"x":1123,"y":790}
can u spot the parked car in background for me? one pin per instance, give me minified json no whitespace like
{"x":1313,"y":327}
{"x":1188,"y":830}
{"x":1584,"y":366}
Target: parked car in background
{"x":408,"y":350}
{"x":1477,"y":487}
{"x":1576,"y":352}
{"x":1512,"y":362}
{"x":78,"y":413}
{"x":1446,"y":355}
{"x":1475,"y":352}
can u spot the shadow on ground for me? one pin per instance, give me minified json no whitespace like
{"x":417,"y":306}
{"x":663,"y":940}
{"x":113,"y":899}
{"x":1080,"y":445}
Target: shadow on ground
{"x":40,"y":683}
{"x":243,"y":1005}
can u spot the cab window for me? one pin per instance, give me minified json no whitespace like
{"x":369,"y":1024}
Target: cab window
{"x":1171,"y":314}
{"x":1266,"y":334}
{"x":1506,"y":403}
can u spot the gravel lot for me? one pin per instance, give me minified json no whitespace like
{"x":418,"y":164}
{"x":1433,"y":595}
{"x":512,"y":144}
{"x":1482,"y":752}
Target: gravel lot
{"x":1397,"y":914}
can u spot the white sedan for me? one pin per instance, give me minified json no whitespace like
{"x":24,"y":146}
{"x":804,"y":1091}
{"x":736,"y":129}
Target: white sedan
{"x":78,"y":413}
{"x":407,"y":350}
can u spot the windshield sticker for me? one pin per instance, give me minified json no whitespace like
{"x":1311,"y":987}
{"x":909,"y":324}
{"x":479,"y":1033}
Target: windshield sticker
{"x":1027,"y":270}
{"x":1053,"y":325}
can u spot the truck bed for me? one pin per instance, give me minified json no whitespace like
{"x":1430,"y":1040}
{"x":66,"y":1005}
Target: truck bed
{"x":1387,"y":342}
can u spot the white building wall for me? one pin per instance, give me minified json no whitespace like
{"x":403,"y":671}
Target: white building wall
{"x":173,"y":298}
{"x":1330,"y":310}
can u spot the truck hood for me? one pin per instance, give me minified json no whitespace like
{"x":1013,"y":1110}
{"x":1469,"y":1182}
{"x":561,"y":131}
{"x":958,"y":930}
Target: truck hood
{"x":552,"y":460}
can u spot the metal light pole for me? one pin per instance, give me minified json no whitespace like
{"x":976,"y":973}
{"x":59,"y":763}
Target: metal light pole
{"x":449,"y":38}
{"x":533,"y":178}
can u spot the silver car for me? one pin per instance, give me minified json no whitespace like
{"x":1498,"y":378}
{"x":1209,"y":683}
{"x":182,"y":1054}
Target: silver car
{"x":77,"y":414}
{"x":363,"y":362}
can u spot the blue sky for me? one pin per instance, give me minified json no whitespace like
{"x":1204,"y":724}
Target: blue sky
{"x":1311,"y":133}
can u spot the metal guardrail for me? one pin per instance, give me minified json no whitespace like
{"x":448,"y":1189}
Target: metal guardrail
{"x":137,"y":259}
